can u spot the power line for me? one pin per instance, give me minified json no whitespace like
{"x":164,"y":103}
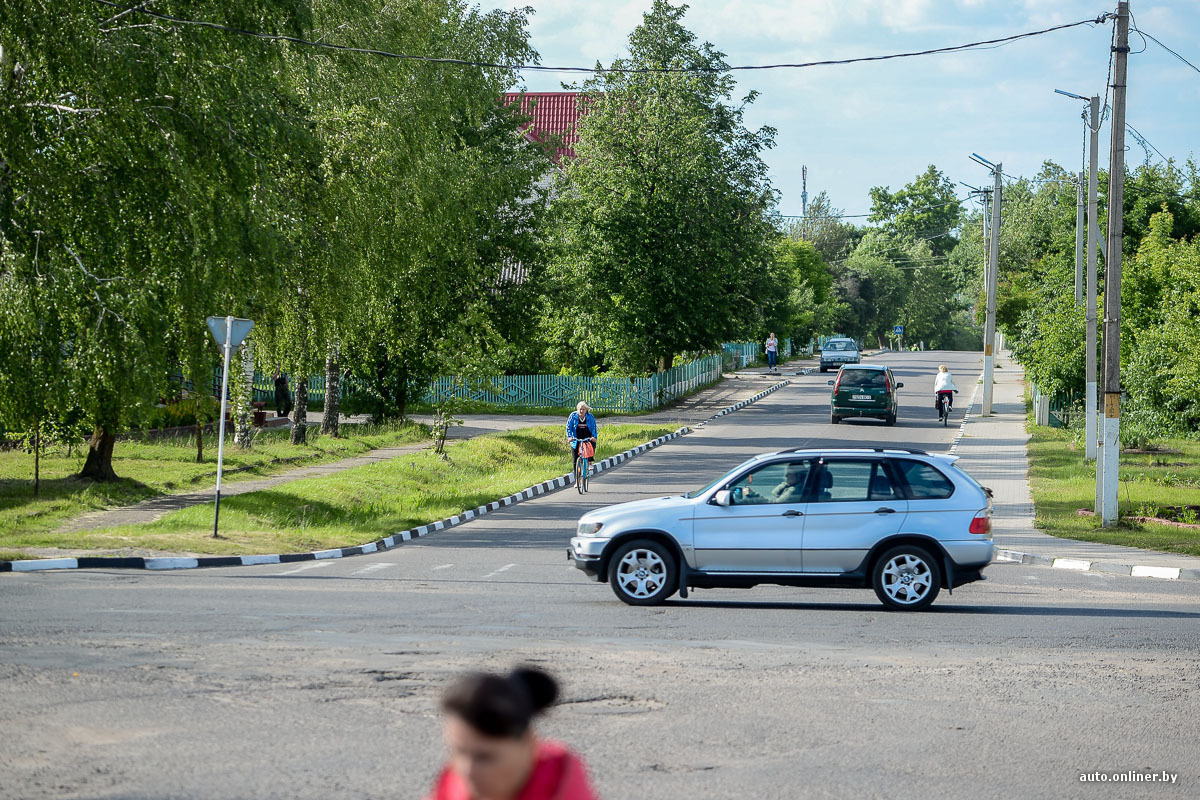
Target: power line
{"x":955,"y":202}
{"x":1169,"y":50}
{"x":274,"y":37}
{"x":1146,"y":144}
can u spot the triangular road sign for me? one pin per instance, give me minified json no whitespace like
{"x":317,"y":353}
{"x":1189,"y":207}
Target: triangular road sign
{"x":241,"y":329}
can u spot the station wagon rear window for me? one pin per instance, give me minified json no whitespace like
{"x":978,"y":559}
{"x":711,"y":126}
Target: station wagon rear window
{"x":864,"y":378}
{"x":830,"y":346}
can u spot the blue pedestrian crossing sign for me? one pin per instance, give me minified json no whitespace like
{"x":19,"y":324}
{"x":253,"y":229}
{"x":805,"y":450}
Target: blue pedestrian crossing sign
{"x":898,"y":330}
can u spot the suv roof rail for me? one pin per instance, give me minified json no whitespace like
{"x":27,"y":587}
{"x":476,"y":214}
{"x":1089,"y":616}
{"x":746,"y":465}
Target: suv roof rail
{"x":914,"y":451}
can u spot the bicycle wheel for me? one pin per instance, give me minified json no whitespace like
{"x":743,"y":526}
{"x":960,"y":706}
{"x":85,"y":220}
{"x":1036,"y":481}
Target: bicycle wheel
{"x":579,"y":475}
{"x":584,"y":470}
{"x":945,"y":415}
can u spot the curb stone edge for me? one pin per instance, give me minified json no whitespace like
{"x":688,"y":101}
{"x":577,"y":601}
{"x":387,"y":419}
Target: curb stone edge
{"x":379,"y":545}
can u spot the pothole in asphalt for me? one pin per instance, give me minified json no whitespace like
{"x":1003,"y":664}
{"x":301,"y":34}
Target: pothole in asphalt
{"x":614,"y":704}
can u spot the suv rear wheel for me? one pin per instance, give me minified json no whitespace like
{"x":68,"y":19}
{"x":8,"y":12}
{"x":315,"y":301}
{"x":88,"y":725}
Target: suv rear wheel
{"x":643,"y":573}
{"x":907,"y":578}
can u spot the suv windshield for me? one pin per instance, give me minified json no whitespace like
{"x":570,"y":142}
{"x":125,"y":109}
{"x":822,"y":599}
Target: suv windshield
{"x":839,"y":345}
{"x":865,"y":378}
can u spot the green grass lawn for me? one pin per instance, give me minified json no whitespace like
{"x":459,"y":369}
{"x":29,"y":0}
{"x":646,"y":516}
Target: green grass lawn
{"x":1062,"y":483}
{"x":149,"y":469}
{"x":360,"y":504}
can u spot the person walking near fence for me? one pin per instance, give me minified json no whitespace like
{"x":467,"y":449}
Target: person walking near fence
{"x":494,"y":752}
{"x":283,"y":394}
{"x":772,"y":351}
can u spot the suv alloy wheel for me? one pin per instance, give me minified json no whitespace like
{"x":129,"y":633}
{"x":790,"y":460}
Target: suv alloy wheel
{"x":643,"y":573}
{"x":907,"y":578}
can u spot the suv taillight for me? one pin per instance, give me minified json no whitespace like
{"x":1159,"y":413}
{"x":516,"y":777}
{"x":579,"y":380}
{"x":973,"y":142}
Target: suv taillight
{"x":838,"y":383}
{"x":982,"y":523}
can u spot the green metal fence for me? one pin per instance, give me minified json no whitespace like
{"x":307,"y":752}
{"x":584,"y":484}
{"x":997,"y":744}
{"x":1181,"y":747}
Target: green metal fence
{"x":565,"y":391}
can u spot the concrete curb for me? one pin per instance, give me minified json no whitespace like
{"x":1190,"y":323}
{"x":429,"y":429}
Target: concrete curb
{"x":379,"y":545}
{"x":1004,"y":556}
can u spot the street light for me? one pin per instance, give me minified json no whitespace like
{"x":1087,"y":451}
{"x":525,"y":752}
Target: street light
{"x":989,"y":328}
{"x":1092,"y":422}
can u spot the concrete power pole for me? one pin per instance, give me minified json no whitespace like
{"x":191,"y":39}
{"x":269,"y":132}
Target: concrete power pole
{"x":1080,"y":213}
{"x":1093,"y":237}
{"x":993,"y":279}
{"x":1112,"y":274}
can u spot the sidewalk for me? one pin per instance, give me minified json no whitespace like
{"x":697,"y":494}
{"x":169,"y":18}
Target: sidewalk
{"x":993,"y":450}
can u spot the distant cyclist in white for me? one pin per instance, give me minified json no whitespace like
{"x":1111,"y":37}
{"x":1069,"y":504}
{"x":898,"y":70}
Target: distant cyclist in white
{"x":944,"y":384}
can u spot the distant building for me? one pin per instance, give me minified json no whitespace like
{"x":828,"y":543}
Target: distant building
{"x":553,"y":115}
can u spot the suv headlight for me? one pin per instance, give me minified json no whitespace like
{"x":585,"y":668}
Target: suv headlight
{"x":589,"y":528}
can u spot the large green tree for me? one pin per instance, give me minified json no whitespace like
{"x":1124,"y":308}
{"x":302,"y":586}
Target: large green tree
{"x":665,"y":206}
{"x":140,"y":168}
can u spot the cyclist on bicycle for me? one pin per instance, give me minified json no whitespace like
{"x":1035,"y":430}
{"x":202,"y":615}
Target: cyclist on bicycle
{"x":580,"y":417}
{"x":944,"y":386}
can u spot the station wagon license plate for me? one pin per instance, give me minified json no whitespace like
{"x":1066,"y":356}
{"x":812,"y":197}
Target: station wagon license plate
{"x":861,"y":397}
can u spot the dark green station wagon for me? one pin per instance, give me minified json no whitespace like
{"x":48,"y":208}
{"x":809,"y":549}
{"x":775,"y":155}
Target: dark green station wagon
{"x":864,"y":390}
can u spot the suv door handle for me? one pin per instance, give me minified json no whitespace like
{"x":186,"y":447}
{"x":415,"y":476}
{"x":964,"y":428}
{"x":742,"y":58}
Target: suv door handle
{"x":885,"y":510}
{"x":793,"y":513}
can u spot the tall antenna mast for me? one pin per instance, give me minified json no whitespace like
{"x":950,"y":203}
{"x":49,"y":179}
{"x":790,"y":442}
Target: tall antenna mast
{"x":804,"y":191}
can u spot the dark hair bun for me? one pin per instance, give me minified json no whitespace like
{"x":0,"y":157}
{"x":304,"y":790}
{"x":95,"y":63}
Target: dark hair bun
{"x":501,"y":705}
{"x":541,"y":686}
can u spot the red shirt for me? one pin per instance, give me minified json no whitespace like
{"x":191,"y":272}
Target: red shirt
{"x":558,"y":774}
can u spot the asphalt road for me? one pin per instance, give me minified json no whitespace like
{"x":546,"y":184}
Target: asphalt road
{"x":321,"y":679}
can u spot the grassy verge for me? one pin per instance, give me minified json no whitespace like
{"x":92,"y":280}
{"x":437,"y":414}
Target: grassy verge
{"x":360,"y":504}
{"x":149,"y":469}
{"x":1062,"y":483}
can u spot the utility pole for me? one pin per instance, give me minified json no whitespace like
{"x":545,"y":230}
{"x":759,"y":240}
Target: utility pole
{"x":1090,"y":427}
{"x":992,"y":282}
{"x":1112,"y":274}
{"x":1080,"y":212}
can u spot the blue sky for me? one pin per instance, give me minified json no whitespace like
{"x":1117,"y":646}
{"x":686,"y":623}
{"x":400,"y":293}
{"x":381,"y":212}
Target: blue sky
{"x":876,"y":124}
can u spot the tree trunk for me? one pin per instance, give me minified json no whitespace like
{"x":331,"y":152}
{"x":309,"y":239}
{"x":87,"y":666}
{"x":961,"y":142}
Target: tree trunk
{"x":243,"y":411}
{"x":300,"y":412}
{"x":199,"y":437}
{"x":37,"y":452}
{"x":329,"y":424}
{"x":98,"y":465}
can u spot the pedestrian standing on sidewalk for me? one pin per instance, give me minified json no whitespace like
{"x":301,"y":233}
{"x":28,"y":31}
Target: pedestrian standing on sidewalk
{"x":495,"y":754}
{"x":772,"y":351}
{"x":283,"y":394}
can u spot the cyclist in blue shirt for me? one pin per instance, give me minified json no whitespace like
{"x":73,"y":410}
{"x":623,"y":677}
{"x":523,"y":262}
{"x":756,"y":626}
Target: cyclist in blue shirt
{"x":581,"y":417}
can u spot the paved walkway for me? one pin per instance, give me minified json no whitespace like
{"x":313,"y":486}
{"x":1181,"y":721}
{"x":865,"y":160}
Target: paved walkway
{"x":696,"y":408}
{"x":155,"y":507}
{"x":993,"y":450}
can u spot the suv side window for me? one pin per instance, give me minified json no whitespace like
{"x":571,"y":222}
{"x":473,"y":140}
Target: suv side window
{"x":780,"y":483}
{"x":849,"y":480}
{"x":924,"y":481}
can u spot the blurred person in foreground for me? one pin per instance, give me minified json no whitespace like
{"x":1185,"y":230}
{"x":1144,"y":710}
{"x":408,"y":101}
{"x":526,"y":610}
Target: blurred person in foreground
{"x":495,"y":754}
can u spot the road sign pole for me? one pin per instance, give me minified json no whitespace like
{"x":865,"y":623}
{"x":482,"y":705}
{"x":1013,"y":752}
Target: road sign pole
{"x":221,"y":422}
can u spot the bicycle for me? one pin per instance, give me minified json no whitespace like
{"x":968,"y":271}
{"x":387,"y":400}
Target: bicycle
{"x":587,"y":451}
{"x":943,"y":400}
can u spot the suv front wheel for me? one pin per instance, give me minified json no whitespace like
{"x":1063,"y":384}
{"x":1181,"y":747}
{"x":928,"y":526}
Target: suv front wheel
{"x":907,"y":578}
{"x":643,"y":573}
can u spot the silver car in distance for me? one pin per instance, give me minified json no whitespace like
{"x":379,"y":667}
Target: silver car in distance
{"x":902,"y":522}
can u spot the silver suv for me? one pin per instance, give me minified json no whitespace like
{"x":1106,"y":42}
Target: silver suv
{"x":902,"y":522}
{"x":836,"y":352}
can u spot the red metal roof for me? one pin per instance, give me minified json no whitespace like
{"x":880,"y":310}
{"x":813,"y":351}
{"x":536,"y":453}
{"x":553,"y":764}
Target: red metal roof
{"x":554,"y":114}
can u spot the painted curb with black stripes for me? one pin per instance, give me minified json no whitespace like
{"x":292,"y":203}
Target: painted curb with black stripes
{"x":380,"y":545}
{"x":1007,"y":556}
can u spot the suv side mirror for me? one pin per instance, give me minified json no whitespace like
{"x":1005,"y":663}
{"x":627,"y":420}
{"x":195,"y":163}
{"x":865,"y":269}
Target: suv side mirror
{"x":723,"y":497}
{"x":830,"y":383}
{"x":899,"y":385}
